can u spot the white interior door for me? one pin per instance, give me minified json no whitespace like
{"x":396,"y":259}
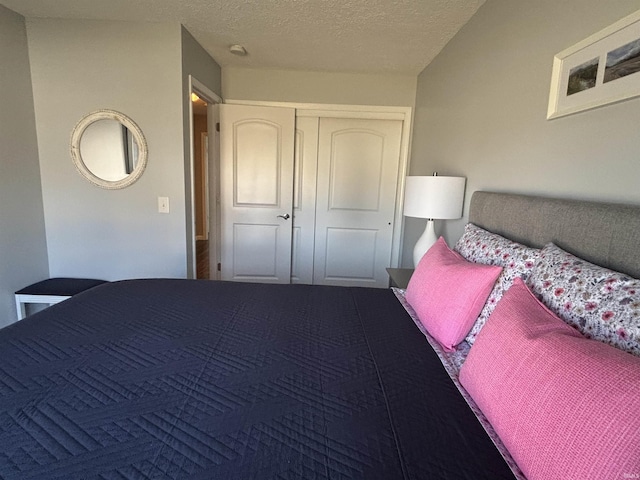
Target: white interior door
{"x":215,"y":228}
{"x":355,"y":203}
{"x":304,"y":199}
{"x":256,"y":174}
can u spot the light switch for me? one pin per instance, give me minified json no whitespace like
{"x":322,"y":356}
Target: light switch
{"x":163,"y":204}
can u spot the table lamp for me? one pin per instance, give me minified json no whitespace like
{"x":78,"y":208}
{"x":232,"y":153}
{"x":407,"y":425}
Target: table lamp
{"x":434,"y":198}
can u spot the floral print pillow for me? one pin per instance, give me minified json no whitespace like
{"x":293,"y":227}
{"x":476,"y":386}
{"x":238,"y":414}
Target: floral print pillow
{"x":600,"y":303}
{"x":481,"y":246}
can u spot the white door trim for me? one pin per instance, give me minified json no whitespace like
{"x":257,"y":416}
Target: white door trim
{"x":195,"y":84}
{"x":211,"y":97}
{"x":377,"y":112}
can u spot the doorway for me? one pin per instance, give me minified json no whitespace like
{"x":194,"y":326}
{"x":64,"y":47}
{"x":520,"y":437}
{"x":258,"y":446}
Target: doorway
{"x":203,"y":234}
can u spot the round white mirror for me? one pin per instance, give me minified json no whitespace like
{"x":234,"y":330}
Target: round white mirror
{"x":109,"y":149}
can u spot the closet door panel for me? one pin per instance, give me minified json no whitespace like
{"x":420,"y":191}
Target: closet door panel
{"x":304,"y":199}
{"x":347,"y":172}
{"x":356,"y":188}
{"x":342,"y":262}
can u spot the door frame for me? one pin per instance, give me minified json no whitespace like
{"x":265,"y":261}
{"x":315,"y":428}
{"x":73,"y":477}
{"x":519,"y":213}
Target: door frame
{"x":374,"y":112}
{"x":200,"y":89}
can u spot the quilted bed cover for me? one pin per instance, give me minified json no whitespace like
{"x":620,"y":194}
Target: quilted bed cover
{"x":213,"y":380}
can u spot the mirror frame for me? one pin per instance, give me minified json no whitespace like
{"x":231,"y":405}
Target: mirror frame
{"x":76,"y":136}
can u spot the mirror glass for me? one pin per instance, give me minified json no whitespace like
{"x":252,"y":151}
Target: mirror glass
{"x":108,"y":149}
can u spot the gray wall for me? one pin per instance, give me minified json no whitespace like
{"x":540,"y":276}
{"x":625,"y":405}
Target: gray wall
{"x":199,"y":64}
{"x":81,"y":66}
{"x":318,"y":87}
{"x":23,"y":249}
{"x":481,"y":111}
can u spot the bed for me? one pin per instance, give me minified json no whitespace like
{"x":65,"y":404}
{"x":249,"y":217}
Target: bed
{"x":164,"y":378}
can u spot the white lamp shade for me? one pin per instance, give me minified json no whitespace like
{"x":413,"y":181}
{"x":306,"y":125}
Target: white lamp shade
{"x":434,"y":197}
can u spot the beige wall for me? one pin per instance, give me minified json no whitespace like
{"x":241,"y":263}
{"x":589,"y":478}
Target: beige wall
{"x":23,"y":249}
{"x":481,"y":111}
{"x":80,"y":66}
{"x":318,"y":87}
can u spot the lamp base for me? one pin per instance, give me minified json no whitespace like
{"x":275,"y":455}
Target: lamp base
{"x":424,"y":243}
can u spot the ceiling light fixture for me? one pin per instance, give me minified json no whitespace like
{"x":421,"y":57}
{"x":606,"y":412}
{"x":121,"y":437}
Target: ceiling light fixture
{"x":238,"y":50}
{"x":194,"y":97}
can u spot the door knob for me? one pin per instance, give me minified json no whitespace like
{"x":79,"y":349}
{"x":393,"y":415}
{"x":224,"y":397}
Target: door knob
{"x":285,"y":216}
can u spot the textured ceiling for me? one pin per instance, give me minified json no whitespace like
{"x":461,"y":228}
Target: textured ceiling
{"x":372,"y":36}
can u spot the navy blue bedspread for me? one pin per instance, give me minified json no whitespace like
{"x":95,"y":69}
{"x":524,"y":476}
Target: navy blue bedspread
{"x":199,"y":379}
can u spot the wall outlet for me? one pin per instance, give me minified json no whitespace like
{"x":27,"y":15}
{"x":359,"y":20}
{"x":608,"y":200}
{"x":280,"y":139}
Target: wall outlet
{"x":163,"y":204}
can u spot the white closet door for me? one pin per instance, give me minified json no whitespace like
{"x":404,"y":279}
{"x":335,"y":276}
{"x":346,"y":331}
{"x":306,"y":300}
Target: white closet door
{"x":356,"y":191}
{"x":256,"y":170}
{"x":304,"y":199}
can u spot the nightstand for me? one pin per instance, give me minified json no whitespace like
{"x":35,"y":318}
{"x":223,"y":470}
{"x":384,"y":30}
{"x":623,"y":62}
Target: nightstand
{"x":399,"y":277}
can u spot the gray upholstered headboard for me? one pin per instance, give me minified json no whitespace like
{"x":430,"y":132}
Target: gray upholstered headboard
{"x":607,"y":234}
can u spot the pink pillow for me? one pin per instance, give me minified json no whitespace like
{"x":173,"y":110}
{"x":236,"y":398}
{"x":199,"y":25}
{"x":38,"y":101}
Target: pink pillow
{"x":481,"y":246}
{"x":447,"y":293}
{"x":564,"y":406}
